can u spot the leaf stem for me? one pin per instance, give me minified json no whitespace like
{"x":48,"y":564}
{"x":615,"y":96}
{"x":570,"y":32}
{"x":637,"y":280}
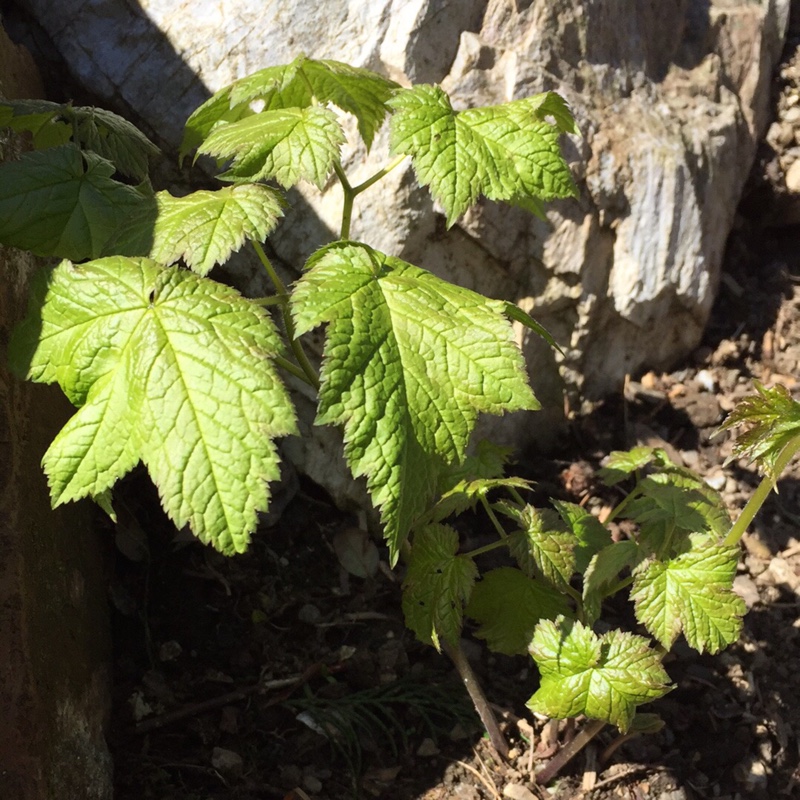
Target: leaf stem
{"x":464,"y":668}
{"x":620,"y":507}
{"x":310,"y":374}
{"x":290,"y":366}
{"x":351,"y":192}
{"x":381,"y":173}
{"x":487,"y":548}
{"x":493,"y":517}
{"x":762,"y":492}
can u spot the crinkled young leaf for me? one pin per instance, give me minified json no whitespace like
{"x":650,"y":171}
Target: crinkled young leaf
{"x":437,"y":585}
{"x":543,"y":546}
{"x":467,"y":494}
{"x":167,"y":368}
{"x":61,"y":202}
{"x":108,"y":135}
{"x":604,"y":677}
{"x":591,"y":535}
{"x":290,"y":145}
{"x":771,"y":420}
{"x":508,"y":604}
{"x":622,"y":463}
{"x":692,"y":593}
{"x":505,"y":152}
{"x":603,"y":570}
{"x":358,"y":91}
{"x":202,"y":228}
{"x":410,"y":360}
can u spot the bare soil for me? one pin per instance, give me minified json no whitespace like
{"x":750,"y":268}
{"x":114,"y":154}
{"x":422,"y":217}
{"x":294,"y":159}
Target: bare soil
{"x":277,"y":675}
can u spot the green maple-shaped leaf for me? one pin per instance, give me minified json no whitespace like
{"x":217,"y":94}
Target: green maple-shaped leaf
{"x":290,"y":145}
{"x":771,"y":420}
{"x":543,"y":546}
{"x":508,"y":604}
{"x":604,"y":677}
{"x":202,"y":228}
{"x":297,"y":85}
{"x":693,"y":594}
{"x":437,"y":585}
{"x":410,"y":360}
{"x":61,"y":202}
{"x":505,"y":152}
{"x":168,"y":368}
{"x":108,"y":135}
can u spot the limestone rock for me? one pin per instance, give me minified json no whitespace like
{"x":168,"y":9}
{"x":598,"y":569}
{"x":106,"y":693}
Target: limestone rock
{"x":670,"y":96}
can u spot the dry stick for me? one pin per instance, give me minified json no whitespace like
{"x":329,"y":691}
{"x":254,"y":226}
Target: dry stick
{"x":459,"y":659}
{"x":235,"y":696}
{"x":569,"y":751}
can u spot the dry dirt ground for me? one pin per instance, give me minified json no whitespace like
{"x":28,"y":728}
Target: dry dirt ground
{"x":277,"y":675}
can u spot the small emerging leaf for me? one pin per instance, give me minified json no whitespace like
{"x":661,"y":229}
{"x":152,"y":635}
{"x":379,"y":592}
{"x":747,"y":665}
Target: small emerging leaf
{"x":508,"y":604}
{"x":771,"y":420}
{"x":437,"y":586}
{"x":622,"y":463}
{"x":604,"y":677}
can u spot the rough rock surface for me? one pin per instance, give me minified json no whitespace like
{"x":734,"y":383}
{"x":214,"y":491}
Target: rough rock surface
{"x":54,"y":693}
{"x":670,"y":95}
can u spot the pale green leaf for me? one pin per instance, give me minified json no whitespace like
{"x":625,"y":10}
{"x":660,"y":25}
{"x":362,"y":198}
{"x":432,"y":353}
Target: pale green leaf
{"x":692,"y":593}
{"x":202,"y":228}
{"x":297,"y":85}
{"x":622,"y":463}
{"x":410,"y":360}
{"x":505,"y":152}
{"x":60,"y":202}
{"x":167,"y":368}
{"x":289,"y":145}
{"x":604,"y":677}
{"x":437,"y":585}
{"x":543,"y":546}
{"x":508,"y":604}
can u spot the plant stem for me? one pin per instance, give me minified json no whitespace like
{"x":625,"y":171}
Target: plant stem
{"x":464,"y":668}
{"x":493,"y":517}
{"x":309,"y":373}
{"x":762,"y":492}
{"x":569,"y":751}
{"x":351,"y":192}
{"x":487,"y":548}
{"x":617,"y":510}
{"x":269,"y":300}
{"x":290,"y":366}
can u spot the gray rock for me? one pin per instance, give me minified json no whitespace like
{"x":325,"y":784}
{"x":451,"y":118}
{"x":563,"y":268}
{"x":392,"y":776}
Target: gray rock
{"x":670,"y":98}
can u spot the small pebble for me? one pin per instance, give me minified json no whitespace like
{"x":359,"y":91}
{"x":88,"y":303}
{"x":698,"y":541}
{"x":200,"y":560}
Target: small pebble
{"x":309,"y":613}
{"x":227,"y":761}
{"x":428,"y":748}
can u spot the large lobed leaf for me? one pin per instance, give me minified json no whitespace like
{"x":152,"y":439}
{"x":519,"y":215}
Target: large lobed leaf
{"x":508,"y":604}
{"x":692,"y":593}
{"x":61,"y":202}
{"x":297,"y":85}
{"x":437,"y":585}
{"x":505,"y":152}
{"x":604,"y":677}
{"x":168,"y":368}
{"x":410,"y":360}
